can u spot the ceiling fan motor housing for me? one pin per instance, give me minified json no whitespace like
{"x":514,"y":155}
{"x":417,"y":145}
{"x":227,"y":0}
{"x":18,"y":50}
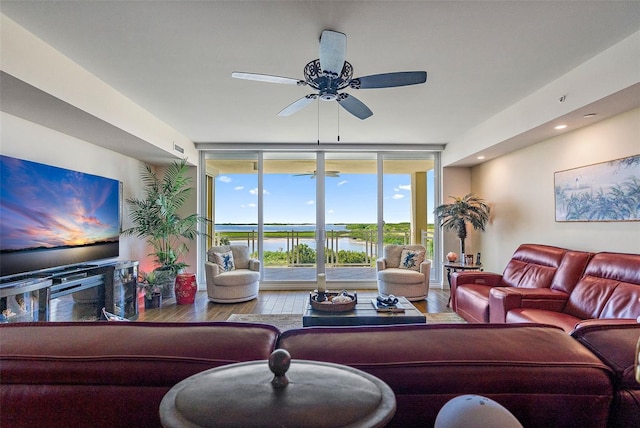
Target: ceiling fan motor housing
{"x":321,"y":81}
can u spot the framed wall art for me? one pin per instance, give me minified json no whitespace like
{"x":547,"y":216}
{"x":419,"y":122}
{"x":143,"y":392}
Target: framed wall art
{"x":607,"y":191}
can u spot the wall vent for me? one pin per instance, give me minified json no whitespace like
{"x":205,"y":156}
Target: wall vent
{"x":177,"y":148}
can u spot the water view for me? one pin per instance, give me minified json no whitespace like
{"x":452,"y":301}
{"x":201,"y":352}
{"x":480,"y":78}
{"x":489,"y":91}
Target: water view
{"x":280,"y":244}
{"x":276,"y":227}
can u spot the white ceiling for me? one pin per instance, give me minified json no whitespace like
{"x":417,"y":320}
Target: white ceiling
{"x":175,"y":58}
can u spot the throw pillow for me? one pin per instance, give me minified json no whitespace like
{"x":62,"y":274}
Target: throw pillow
{"x":225,"y":261}
{"x":411,"y":259}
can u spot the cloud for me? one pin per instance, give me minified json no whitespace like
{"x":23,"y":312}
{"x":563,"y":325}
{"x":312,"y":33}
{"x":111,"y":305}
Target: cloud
{"x":248,"y":205}
{"x":238,"y":188}
{"x":397,"y":196}
{"x":342,"y":182}
{"x":406,"y":187}
{"x":254,"y":191}
{"x":310,"y":202}
{"x":224,"y":179}
{"x":330,"y":211}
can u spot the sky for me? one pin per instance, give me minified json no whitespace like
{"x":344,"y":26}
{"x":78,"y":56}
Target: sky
{"x":350,"y":198}
{"x":45,"y":206}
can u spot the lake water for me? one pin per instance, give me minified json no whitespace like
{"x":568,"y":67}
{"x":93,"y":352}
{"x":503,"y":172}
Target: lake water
{"x":275,"y":227}
{"x":280,"y":244}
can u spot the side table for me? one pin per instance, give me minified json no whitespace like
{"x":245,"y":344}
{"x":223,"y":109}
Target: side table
{"x":294,"y":393}
{"x":454,"y":267}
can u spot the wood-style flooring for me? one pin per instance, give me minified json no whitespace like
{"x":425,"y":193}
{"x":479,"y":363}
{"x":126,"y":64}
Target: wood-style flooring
{"x":268,"y":302}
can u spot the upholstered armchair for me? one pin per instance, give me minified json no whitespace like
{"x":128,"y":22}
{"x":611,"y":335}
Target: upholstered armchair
{"x":232,"y":276}
{"x":404,"y":271}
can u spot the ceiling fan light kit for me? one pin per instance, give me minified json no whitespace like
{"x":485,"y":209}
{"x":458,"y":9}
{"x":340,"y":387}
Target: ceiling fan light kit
{"x":331,"y":73}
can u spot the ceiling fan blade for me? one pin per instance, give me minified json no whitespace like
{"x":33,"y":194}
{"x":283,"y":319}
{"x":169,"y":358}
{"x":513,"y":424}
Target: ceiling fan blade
{"x":354,"y":106}
{"x":298,"y":105}
{"x":389,"y":80}
{"x":313,"y":174}
{"x":333,"y":48}
{"x":267,"y":78}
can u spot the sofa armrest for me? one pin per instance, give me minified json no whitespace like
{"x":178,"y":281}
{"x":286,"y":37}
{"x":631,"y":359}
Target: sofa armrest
{"x":614,"y":342}
{"x":504,"y":299}
{"x":425,"y":267}
{"x":381,"y":264}
{"x":470,"y":277}
{"x":604,"y":324}
{"x":254,"y":265}
{"x":474,"y":277}
{"x":211,"y":270}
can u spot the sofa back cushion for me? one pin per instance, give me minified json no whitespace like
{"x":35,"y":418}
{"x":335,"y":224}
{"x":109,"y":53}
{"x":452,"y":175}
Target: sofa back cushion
{"x":427,"y":365}
{"x":393,"y":253}
{"x":570,"y":271}
{"x":532,"y":266}
{"x":240,"y":254}
{"x":609,"y":288}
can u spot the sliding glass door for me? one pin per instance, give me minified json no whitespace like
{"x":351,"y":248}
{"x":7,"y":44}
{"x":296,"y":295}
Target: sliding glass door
{"x":350,"y":216}
{"x":408,"y":200}
{"x":304,"y":213}
{"x":289,"y":207}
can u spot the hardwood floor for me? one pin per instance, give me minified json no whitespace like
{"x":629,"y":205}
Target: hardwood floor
{"x":268,"y":302}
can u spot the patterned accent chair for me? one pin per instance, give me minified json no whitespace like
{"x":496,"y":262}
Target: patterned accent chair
{"x":404,"y":271}
{"x":232,"y":275}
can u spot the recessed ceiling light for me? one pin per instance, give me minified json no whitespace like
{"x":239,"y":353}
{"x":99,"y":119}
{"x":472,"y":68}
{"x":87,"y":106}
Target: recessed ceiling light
{"x":560,"y":127}
{"x":589,"y":115}
{"x":480,"y":157}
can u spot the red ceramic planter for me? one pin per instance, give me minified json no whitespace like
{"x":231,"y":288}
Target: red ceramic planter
{"x":186,"y":288}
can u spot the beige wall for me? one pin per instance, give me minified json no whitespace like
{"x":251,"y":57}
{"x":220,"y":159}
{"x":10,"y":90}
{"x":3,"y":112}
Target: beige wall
{"x":456,"y":183}
{"x":520,"y":190}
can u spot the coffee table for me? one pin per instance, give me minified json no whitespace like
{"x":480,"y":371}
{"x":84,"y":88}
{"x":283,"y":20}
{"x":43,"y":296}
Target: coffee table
{"x":364,"y":314}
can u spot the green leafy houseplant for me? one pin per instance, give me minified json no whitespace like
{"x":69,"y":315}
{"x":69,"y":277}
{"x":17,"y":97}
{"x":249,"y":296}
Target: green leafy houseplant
{"x":467,"y":209}
{"x":151,"y":283}
{"x":156,"y":217}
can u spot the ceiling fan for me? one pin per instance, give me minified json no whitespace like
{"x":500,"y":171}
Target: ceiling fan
{"x":331,"y":73}
{"x":313,"y":174}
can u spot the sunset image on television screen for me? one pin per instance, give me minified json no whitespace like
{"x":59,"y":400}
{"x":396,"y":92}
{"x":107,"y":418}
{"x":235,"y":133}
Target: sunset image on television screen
{"x":43,"y":207}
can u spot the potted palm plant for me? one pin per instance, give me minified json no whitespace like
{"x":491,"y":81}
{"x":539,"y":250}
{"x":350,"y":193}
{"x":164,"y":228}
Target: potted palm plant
{"x":464,"y":210}
{"x":157,"y":218}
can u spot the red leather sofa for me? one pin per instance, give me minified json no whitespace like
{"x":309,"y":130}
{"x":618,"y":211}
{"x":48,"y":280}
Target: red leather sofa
{"x":551,"y":285}
{"x":111,"y":374}
{"x":611,"y":341}
{"x":115,"y":374}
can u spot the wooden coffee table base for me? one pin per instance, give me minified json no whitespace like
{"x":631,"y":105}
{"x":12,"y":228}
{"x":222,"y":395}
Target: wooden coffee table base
{"x":364,"y":314}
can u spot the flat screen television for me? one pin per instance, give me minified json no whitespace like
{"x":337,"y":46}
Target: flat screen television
{"x":54,"y":217}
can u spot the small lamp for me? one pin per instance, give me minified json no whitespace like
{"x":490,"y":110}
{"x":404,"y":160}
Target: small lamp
{"x":468,"y":411}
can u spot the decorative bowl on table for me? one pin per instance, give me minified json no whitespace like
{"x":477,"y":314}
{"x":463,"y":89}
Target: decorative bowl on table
{"x":329,"y":301}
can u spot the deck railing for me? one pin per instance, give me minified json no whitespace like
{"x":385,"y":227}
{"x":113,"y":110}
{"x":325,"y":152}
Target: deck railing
{"x":297,"y":251}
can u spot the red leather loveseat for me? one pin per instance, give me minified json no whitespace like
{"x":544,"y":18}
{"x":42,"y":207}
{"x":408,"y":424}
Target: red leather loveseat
{"x":551,"y":285}
{"x":115,"y":374}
